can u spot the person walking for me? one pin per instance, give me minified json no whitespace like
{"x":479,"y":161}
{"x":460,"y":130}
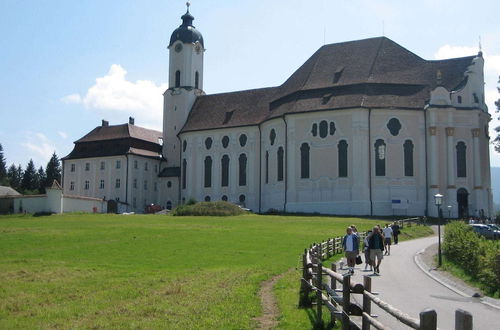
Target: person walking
{"x":387,"y":239}
{"x":354,"y":230}
{"x":395,"y":232}
{"x":366,"y":250}
{"x":350,"y":244}
{"x":376,"y":246}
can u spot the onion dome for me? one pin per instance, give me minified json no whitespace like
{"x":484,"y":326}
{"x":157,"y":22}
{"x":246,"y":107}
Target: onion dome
{"x":186,"y":32}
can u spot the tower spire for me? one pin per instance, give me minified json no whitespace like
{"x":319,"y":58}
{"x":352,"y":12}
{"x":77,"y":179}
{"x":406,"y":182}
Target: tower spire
{"x":187,"y":5}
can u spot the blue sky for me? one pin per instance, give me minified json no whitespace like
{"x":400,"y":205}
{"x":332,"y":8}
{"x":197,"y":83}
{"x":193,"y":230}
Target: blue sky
{"x":65,"y":65}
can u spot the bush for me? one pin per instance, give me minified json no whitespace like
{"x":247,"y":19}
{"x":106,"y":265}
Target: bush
{"x":219,"y":208}
{"x":474,"y":254}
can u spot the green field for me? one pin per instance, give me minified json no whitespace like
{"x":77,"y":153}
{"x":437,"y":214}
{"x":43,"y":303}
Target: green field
{"x":147,"y":271}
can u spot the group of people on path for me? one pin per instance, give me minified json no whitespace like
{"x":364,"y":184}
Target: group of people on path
{"x":376,"y":244}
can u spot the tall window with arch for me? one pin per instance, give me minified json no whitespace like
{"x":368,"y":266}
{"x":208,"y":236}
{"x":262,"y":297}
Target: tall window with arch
{"x":178,"y":78}
{"x":342,"y":158}
{"x":242,"y":170}
{"x":184,"y":173}
{"x":380,"y":155}
{"x":225,"y":171}
{"x":304,"y":161}
{"x":461,"y":160}
{"x":197,"y":80}
{"x":208,"y":172}
{"x":280,"y":163}
{"x":408,"y":157}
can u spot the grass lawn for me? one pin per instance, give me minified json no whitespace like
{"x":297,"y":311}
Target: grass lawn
{"x":147,"y":271}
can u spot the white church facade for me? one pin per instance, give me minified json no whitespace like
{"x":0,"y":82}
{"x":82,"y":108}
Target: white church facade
{"x":363,"y":127}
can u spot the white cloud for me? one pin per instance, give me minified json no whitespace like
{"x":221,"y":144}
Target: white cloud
{"x":40,"y":148}
{"x":64,"y":135}
{"x":113,"y":95}
{"x":72,"y":98}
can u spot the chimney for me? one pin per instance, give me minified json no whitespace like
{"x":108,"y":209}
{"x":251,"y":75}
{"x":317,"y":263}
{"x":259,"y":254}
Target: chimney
{"x":131,"y":120}
{"x":105,"y":123}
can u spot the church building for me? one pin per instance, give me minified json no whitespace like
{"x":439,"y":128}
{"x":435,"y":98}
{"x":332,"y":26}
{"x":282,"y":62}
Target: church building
{"x":363,"y":127}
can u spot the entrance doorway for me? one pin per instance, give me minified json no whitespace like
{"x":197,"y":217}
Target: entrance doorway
{"x":463,"y":202}
{"x":112,"y":206}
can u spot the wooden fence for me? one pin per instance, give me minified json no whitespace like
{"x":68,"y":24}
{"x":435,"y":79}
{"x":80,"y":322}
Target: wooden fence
{"x":325,"y":287}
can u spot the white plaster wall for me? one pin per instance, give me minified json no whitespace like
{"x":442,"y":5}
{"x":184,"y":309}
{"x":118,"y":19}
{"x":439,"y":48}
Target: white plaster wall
{"x":74,"y":204}
{"x":31,"y":204}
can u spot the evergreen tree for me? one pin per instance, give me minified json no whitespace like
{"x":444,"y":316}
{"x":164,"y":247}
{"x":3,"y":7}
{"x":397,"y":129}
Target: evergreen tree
{"x":53,"y":170}
{"x":15,"y":175}
{"x":496,"y":142}
{"x":41,"y":179}
{"x":28,"y":183}
{"x":3,"y":168}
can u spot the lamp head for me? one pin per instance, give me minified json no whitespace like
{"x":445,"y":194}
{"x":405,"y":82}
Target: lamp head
{"x":438,"y":199}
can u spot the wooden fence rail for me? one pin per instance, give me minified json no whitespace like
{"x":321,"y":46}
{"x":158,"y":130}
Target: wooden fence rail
{"x":319,"y":287}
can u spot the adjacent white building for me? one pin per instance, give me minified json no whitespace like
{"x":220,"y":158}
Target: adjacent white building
{"x":363,"y":127}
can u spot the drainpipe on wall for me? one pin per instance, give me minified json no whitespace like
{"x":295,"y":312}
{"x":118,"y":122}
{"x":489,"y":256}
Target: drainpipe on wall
{"x":260,"y":169}
{"x":180,"y":177}
{"x":426,"y":166}
{"x":370,"y":155}
{"x":126,"y":185}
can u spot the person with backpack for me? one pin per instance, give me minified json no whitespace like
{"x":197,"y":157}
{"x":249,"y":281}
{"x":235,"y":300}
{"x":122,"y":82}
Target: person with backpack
{"x":376,"y":246}
{"x":395,"y":232}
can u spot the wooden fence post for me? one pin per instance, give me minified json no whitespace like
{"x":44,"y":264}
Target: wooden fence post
{"x":346,"y":301}
{"x":304,"y":300}
{"x":428,"y":319}
{"x":333,"y":286}
{"x":367,"y":308}
{"x":463,"y":320}
{"x":319,"y":293}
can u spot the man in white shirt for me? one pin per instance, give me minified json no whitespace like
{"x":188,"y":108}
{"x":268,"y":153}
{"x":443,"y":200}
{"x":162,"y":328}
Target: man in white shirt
{"x":350,"y":244}
{"x":387,"y":238}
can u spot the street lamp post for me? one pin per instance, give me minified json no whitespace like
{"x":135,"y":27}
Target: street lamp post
{"x":438,"y":200}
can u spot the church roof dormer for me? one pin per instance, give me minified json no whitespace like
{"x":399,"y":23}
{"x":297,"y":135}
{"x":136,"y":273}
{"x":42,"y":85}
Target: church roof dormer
{"x":186,"y":32}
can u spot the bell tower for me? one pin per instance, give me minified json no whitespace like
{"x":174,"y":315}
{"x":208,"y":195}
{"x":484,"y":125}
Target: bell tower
{"x":185,"y":81}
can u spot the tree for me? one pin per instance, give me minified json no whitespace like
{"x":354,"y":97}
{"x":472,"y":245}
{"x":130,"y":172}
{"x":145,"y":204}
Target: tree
{"x":40,"y":180}
{"x":496,"y":142}
{"x":15,"y":175}
{"x":28,"y":183}
{"x":3,"y":168}
{"x":53,"y":170}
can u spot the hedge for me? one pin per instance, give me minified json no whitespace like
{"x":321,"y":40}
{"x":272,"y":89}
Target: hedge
{"x":474,"y":254}
{"x":219,"y":208}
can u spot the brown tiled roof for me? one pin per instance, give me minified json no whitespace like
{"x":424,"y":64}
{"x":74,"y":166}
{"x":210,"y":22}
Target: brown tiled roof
{"x":375,"y":73}
{"x":123,"y":131}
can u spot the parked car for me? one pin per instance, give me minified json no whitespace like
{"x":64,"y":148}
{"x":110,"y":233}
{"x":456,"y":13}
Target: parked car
{"x":153,"y":208}
{"x":485,"y":231}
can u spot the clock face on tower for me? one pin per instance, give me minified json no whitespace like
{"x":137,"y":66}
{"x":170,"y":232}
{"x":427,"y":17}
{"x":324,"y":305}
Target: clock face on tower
{"x":178,"y":47}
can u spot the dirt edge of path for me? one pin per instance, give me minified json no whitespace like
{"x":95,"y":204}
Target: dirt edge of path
{"x":270,"y":311}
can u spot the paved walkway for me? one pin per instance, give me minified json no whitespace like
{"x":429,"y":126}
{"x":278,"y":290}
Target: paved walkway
{"x":404,"y":285}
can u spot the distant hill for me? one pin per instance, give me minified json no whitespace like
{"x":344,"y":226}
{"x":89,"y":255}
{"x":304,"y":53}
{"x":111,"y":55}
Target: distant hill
{"x":495,"y":186}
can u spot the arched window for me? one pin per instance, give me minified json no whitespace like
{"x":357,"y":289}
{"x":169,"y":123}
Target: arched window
{"x":225,"y":141}
{"x":272,"y":136}
{"x":459,"y":99}
{"x":342,"y":158}
{"x":323,"y":129}
{"x":267,"y":166}
{"x":208,"y":172}
{"x":243,"y":140}
{"x":184,"y":173}
{"x":225,"y":171}
{"x":380,"y":157}
{"x":177,"y":78}
{"x":461,"y":160}
{"x":314,"y":129}
{"x":242,"y":198}
{"x":280,"y":163}
{"x":304,"y":161}
{"x":243,"y":170}
{"x":408,"y":157}
{"x":207,"y":198}
{"x":184,"y":146}
{"x":224,"y":198}
{"x":169,"y":205}
{"x":196,"y":80}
